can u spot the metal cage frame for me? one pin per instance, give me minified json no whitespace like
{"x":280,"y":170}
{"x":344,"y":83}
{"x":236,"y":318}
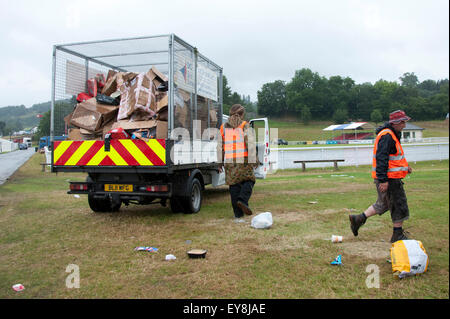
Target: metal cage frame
{"x":101,"y":59}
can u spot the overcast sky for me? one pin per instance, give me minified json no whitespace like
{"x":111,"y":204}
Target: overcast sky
{"x":254,"y":41}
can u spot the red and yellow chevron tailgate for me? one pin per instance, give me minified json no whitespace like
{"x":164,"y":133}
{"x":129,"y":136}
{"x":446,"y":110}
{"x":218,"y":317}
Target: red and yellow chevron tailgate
{"x":126,"y":152}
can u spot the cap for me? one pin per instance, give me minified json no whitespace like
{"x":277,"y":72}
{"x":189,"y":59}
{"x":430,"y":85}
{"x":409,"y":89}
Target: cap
{"x":398,"y":116}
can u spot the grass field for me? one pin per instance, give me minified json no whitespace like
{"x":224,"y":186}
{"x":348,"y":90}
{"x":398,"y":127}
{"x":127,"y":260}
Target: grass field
{"x":293,"y":130}
{"x":43,"y":230}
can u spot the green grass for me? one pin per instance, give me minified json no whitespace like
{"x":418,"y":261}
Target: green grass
{"x":43,"y":229}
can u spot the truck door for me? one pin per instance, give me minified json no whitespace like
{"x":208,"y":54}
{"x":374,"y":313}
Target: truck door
{"x":261,"y":127}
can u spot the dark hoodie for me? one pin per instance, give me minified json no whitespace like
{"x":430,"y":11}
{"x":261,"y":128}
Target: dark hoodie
{"x":386,"y":146}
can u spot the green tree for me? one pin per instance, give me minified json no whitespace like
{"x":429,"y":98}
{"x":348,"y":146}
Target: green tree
{"x":272,"y":99}
{"x":409,"y":80}
{"x":308,"y":89}
{"x":44,"y":125}
{"x":340,"y":116}
{"x":2,"y":127}
{"x":376,"y":116}
{"x":305,"y":114}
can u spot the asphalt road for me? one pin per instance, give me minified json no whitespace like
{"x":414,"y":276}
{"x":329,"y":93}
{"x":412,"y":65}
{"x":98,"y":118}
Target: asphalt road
{"x":10,"y":162}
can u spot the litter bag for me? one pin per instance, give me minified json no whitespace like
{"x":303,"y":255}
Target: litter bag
{"x":263,"y":220}
{"x":408,"y":258}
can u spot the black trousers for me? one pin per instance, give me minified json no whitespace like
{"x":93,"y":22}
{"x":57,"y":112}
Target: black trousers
{"x":240,"y":192}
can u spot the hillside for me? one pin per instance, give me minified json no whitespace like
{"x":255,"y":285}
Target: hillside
{"x":27,"y":117}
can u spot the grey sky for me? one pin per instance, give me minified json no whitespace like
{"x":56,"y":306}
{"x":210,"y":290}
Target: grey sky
{"x":254,"y":41}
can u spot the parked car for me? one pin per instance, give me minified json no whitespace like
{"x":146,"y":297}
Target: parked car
{"x":282,"y":142}
{"x":23,"y":146}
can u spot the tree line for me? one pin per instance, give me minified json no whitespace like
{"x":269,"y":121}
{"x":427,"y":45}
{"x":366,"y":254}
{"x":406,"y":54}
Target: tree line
{"x":309,"y":96}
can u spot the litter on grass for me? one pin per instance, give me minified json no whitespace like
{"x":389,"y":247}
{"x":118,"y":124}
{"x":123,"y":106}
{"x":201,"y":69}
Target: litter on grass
{"x":18,"y":287}
{"x":76,"y":196}
{"x":170,"y":257}
{"x":337,"y":261}
{"x":146,"y":248}
{"x":263,"y":220}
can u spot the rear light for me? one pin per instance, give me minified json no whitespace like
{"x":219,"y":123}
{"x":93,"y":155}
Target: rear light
{"x":155,"y":188}
{"x":78,"y":187}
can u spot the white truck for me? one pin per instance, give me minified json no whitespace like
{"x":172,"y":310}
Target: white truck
{"x":128,"y":171}
{"x":27,"y":140}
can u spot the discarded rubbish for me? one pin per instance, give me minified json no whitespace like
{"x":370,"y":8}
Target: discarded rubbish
{"x":342,"y":175}
{"x":409,"y":258}
{"x":239,"y":220}
{"x":336,"y":239}
{"x":18,"y":287}
{"x":76,"y":196}
{"x":337,"y":261}
{"x":146,"y":248}
{"x":170,"y":257}
{"x":313,"y":202}
{"x":263,"y":220}
{"x":197,"y":253}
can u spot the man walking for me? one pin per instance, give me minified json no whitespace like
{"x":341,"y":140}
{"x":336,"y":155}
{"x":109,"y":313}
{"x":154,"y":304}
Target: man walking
{"x":239,"y":174}
{"x":389,"y":167}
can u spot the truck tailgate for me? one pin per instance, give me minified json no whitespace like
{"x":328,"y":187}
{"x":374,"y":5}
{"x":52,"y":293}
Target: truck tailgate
{"x":123,"y":153}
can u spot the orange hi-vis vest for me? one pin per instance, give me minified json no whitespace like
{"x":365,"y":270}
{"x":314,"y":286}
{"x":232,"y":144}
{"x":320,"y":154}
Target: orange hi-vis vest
{"x":233,"y":142}
{"x":398,"y":166}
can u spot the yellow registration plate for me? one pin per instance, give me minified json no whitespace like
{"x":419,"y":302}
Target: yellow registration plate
{"x":118,"y":188}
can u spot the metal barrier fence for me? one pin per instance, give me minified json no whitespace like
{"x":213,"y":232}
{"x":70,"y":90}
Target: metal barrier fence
{"x":283,"y":158}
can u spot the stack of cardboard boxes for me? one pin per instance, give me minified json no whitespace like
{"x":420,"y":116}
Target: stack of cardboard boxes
{"x":142,"y":110}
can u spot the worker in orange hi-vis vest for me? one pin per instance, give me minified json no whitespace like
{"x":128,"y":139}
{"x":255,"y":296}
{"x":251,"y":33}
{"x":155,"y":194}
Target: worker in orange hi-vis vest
{"x":238,"y":150}
{"x":389,"y":167}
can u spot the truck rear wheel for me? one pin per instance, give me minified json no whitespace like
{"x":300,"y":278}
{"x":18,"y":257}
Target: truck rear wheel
{"x":102,"y":205}
{"x":193,"y":202}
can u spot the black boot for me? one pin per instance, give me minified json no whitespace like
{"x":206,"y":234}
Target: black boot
{"x":356,"y":221}
{"x":398,"y":234}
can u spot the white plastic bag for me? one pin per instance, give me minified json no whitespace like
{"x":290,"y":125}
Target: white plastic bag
{"x":170,"y":257}
{"x":409,"y":258}
{"x":263,"y":220}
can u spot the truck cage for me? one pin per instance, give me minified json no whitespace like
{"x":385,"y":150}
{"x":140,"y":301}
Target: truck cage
{"x":74,"y":63}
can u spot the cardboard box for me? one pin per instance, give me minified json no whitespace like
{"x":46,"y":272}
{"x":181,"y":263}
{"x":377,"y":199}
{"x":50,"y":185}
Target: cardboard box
{"x":92,"y":116}
{"x":161,"y":126}
{"x":162,"y":101}
{"x":110,"y":85}
{"x":163,"y":114}
{"x":162,"y":106}
{"x":89,"y":135}
{"x":74,"y":134}
{"x":182,"y":109}
{"x":157,"y":77}
{"x":137,"y":95}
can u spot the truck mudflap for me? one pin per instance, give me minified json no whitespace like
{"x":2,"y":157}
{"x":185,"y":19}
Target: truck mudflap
{"x":125,"y":152}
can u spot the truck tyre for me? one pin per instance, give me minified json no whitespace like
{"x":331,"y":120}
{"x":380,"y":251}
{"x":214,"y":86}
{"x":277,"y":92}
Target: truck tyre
{"x":193,"y":201}
{"x":102,"y":205}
